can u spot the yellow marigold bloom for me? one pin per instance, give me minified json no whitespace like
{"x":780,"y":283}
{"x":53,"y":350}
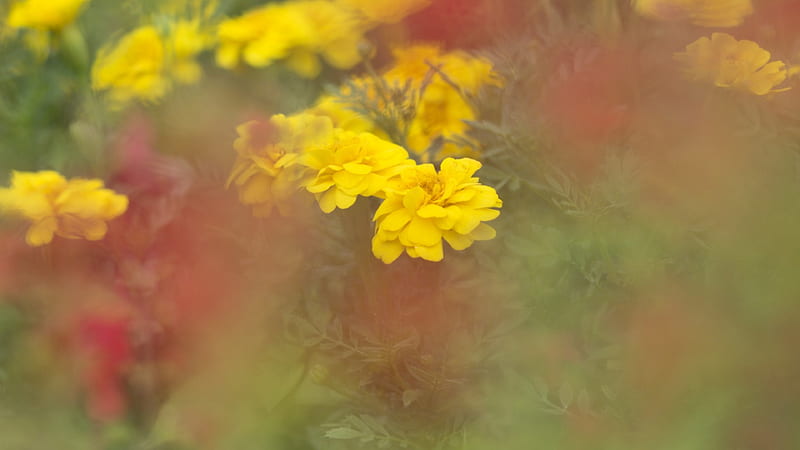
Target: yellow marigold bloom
{"x":706,"y":13}
{"x":44,"y":14}
{"x":134,"y":68}
{"x":267,"y":170}
{"x":74,"y":209}
{"x":385,"y":11}
{"x":728,"y":63}
{"x":353,"y":164}
{"x":426,"y":207}
{"x":296,"y":32}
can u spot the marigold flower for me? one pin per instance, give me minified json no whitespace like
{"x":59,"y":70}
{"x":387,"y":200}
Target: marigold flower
{"x":74,"y":209}
{"x":44,"y":14}
{"x":267,"y":170}
{"x":426,"y":207}
{"x":728,"y":63}
{"x":353,"y":164}
{"x":295,"y":32}
{"x":133,"y":68}
{"x":706,"y":13}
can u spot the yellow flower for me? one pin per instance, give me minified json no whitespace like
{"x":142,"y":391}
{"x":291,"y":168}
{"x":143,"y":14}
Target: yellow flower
{"x":133,"y":68}
{"x":728,"y":63}
{"x":342,"y":115}
{"x":706,"y":13}
{"x":144,"y":62}
{"x":44,"y":14}
{"x":426,"y":207}
{"x":353,"y":164}
{"x":385,"y":11}
{"x":443,"y":107}
{"x":185,"y":41}
{"x":74,"y":209}
{"x":296,"y":32}
{"x":267,"y":171}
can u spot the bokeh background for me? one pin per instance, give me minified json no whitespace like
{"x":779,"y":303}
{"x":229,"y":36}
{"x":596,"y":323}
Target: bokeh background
{"x":640,"y":292}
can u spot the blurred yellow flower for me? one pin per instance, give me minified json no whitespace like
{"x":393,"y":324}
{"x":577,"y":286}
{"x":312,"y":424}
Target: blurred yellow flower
{"x":185,"y":41}
{"x":426,"y":207}
{"x":267,"y":170}
{"x":74,"y":209}
{"x":385,"y":11}
{"x":44,"y":14}
{"x":706,"y":13}
{"x":353,"y":164}
{"x":144,"y":62}
{"x":133,"y":68}
{"x":728,"y":63}
{"x":340,"y":112}
{"x":444,"y":105}
{"x":295,"y":32}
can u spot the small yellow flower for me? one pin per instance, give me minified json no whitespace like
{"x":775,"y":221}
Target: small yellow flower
{"x":134,"y":68}
{"x":705,"y":13}
{"x":74,"y":209}
{"x":728,"y":63}
{"x":267,"y":170}
{"x":353,"y":164}
{"x":44,"y":14}
{"x":426,"y":207}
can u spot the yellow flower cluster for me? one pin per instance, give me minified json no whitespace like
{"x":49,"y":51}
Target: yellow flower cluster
{"x":44,"y":14}
{"x":300,"y":32}
{"x":421,"y":207}
{"x":728,"y":63}
{"x":144,"y":62}
{"x":426,"y":207}
{"x":706,"y":13}
{"x":74,"y":209}
{"x":442,"y":105}
{"x":295,"y":32}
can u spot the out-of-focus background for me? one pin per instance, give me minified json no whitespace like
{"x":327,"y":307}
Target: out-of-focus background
{"x":641,"y":289}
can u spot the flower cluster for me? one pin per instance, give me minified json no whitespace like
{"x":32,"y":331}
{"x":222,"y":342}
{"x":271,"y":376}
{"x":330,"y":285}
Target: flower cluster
{"x":726,"y":62}
{"x":279,"y":157}
{"x":300,"y":32}
{"x":74,"y":209}
{"x":706,"y":13}
{"x":295,"y":32}
{"x":144,"y":62}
